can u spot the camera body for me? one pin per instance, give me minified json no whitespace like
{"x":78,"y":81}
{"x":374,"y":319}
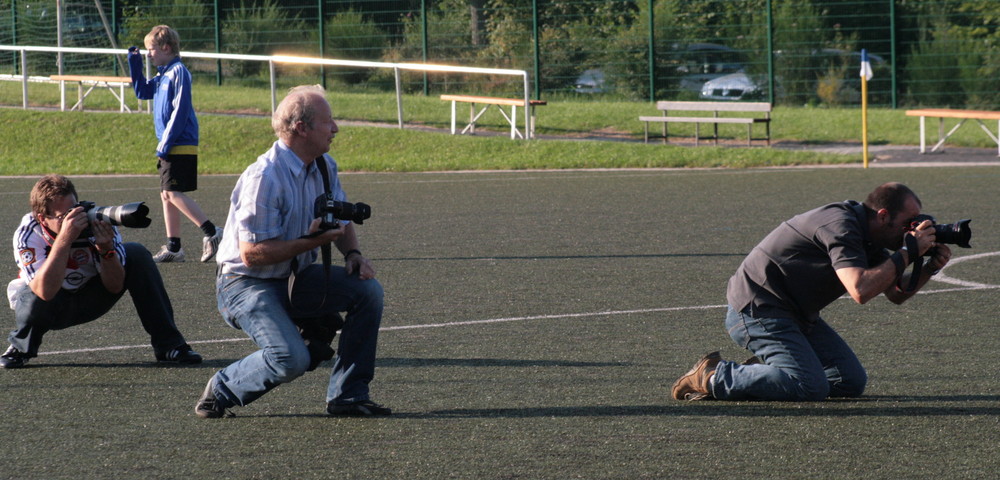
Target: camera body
{"x":958,"y":233}
{"x":329,"y":210}
{"x":132,"y":215}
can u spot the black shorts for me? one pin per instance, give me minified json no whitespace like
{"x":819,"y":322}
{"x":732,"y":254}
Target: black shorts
{"x":178,"y":173}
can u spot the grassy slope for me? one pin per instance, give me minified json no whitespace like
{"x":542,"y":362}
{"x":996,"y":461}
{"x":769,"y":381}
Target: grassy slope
{"x":78,"y":143}
{"x":33,"y":142}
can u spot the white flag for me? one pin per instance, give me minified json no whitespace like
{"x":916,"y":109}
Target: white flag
{"x":866,"y":66}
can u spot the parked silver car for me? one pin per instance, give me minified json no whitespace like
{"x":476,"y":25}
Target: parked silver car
{"x":590,"y":81}
{"x":687,"y":65}
{"x":741,"y":86}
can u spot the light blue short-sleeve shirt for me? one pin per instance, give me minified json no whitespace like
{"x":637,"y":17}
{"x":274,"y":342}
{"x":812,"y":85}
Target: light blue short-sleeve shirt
{"x":274,"y":199}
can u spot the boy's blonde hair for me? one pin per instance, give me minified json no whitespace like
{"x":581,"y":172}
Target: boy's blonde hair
{"x":162,"y":35}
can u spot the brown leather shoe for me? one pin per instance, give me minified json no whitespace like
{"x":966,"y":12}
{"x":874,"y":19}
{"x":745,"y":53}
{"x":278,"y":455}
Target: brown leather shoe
{"x":694,"y":384}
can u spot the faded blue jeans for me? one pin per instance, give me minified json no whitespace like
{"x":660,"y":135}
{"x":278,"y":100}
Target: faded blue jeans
{"x":261,"y":308}
{"x":35,"y":317}
{"x":801,"y":362}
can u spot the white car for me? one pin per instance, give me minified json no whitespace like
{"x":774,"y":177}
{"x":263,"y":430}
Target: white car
{"x":736,"y":86}
{"x":740,"y":86}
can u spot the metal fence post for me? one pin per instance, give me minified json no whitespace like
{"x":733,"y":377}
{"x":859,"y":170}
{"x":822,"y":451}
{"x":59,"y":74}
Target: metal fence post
{"x":274,"y":95}
{"x":322,"y":41}
{"x":399,"y":96}
{"x":218,"y":42}
{"x":13,"y":28}
{"x":534,"y":32}
{"x":24,"y":79}
{"x":892,"y":53}
{"x":423,"y":36}
{"x":770,"y":52}
{"x":652,"y":54}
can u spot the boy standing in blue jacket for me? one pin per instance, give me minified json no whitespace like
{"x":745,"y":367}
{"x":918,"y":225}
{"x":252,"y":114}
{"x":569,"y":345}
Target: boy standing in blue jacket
{"x":177,"y":132}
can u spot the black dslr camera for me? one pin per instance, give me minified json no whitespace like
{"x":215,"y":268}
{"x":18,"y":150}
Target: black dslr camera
{"x":132,"y":215}
{"x":329,"y":210}
{"x":957,"y":233}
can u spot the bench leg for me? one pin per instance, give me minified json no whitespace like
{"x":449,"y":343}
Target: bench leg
{"x":452,"y":117}
{"x":697,"y":132}
{"x":986,"y":129}
{"x":923,"y":134}
{"x":79,"y":97}
{"x":513,"y":121}
{"x":472,"y":118}
{"x":645,"y":132}
{"x":942,"y":137}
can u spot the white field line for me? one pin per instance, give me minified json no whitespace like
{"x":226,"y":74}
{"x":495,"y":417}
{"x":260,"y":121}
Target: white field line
{"x":430,"y":325}
{"x":963,"y":286}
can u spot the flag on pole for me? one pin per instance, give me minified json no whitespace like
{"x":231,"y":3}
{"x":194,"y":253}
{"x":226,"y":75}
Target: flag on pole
{"x":866,"y":66}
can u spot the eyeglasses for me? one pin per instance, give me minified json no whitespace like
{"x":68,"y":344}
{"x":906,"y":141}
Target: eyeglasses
{"x":57,"y":218}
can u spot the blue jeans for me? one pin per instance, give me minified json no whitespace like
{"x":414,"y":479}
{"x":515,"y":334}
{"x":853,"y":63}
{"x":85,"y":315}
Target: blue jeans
{"x":35,"y":317}
{"x":261,"y":308}
{"x":801,"y":362}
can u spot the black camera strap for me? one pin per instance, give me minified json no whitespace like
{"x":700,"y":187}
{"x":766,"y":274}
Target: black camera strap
{"x":913,"y":252}
{"x":325,"y":249}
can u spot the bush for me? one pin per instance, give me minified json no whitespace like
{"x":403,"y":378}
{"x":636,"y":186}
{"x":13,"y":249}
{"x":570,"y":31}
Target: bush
{"x":349,"y":36}
{"x":263,"y":29}
{"x":191,"y":19}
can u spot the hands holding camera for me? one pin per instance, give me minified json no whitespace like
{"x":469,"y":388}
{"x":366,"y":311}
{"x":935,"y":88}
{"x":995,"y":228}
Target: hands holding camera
{"x":326,"y":235}
{"x":74,"y":222}
{"x":925,"y":234}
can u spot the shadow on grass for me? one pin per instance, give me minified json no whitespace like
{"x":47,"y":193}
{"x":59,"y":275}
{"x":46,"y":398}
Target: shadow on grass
{"x":488,"y":362}
{"x":559,"y":257}
{"x":213,"y":363}
{"x":934,"y":406}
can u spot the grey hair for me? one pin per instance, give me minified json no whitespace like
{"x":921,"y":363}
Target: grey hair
{"x":295,"y":108}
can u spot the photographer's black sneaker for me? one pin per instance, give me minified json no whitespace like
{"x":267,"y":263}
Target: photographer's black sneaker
{"x":209,"y":406}
{"x":366,"y":408}
{"x":13,"y":358}
{"x":182,"y":354}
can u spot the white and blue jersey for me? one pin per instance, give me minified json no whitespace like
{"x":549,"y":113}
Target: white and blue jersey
{"x":32,"y":244}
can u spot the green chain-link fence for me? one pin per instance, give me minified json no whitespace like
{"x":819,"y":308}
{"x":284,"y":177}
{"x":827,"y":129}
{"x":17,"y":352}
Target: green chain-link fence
{"x":941,"y":53}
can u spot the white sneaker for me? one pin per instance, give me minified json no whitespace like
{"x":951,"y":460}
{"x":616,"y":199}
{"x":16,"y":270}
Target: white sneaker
{"x":210,"y":245}
{"x":166,"y":256}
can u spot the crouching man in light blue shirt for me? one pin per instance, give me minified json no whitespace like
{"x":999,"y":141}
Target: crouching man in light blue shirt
{"x":273,"y":234}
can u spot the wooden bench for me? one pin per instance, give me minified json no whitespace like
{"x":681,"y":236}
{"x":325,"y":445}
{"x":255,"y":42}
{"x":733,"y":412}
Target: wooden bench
{"x":93,"y":82}
{"x":513,"y":103}
{"x":715,"y":119}
{"x":963,"y":115}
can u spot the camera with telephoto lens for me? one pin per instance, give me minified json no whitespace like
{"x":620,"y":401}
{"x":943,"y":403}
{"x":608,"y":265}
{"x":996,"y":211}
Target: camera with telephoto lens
{"x":132,"y":215}
{"x":957,"y":233}
{"x":329,"y":210}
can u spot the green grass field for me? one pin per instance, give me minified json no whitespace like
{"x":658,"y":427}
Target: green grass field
{"x":534,"y":323}
{"x":235,"y":129}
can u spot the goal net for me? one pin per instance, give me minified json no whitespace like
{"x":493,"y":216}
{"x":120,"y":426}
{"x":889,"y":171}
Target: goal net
{"x":66,"y":23}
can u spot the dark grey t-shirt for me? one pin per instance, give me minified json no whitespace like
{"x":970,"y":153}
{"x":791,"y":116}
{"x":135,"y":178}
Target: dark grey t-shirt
{"x":792,"y":272}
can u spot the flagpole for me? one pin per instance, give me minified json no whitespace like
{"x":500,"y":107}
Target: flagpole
{"x":865,"y":72}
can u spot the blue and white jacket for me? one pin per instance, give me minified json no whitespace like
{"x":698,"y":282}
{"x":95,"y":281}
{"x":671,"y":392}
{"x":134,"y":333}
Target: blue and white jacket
{"x":173,"y":112}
